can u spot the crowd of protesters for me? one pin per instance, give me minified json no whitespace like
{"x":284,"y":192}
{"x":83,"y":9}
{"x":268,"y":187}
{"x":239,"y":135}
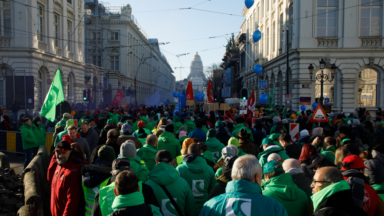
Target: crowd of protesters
{"x":150,"y":161}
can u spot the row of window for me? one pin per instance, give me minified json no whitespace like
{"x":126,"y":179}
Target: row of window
{"x":97,"y":36}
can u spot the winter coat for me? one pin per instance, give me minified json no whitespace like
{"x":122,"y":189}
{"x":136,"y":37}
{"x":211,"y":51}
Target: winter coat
{"x":302,"y":182}
{"x":237,"y":129}
{"x":222,"y":135}
{"x":379,"y":188}
{"x":139,"y":169}
{"x":122,"y":138}
{"x":94,"y":174}
{"x":190,"y":125}
{"x":164,"y":174}
{"x":133,"y":204}
{"x":379,"y":132}
{"x":177,"y":126}
{"x":145,"y":120}
{"x":148,"y":154}
{"x":303,"y":140}
{"x":258,"y":137}
{"x":200,"y":177}
{"x":263,"y":156}
{"x":82,"y":143}
{"x":104,"y":132}
{"x":91,"y":137}
{"x":337,"y":195}
{"x":293,"y":151}
{"x":60,"y":135}
{"x":28,"y":137}
{"x":240,"y":196}
{"x":67,"y":197}
{"x":168,"y":141}
{"x":199,"y":134}
{"x":215,"y":146}
{"x":62,"y":122}
{"x":248,"y":147}
{"x":40,"y":134}
{"x":222,"y":181}
{"x":284,"y":190}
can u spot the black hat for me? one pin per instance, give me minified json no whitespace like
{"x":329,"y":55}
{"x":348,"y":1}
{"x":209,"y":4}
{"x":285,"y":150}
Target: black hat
{"x":121,"y":164}
{"x":63,"y":146}
{"x":164,"y":156}
{"x":170,"y":128}
{"x":243,"y":134}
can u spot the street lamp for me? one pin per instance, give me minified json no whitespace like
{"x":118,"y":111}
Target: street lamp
{"x":322,"y":77}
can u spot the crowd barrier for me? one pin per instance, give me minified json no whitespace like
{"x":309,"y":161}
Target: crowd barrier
{"x":11,"y":141}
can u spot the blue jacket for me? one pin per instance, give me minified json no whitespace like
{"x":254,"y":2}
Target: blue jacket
{"x":243,"y":198}
{"x":199,"y":134}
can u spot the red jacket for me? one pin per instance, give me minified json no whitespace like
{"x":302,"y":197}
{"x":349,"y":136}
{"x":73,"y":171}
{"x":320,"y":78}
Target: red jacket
{"x":67,"y":197}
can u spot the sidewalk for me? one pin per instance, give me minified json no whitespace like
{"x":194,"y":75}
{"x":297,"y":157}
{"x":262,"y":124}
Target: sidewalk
{"x":16,"y":161}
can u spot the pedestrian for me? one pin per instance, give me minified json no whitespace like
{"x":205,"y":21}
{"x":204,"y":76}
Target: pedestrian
{"x":375,"y":173}
{"x":126,"y":135}
{"x":304,"y":137}
{"x":30,"y":143}
{"x":90,"y":135}
{"x":214,"y":145}
{"x":182,"y":134}
{"x":104,"y":132}
{"x":222,"y":133}
{"x":168,"y":141}
{"x":39,"y":131}
{"x":293,"y":150}
{"x":198,"y":132}
{"x":246,"y":144}
{"x":141,"y":124}
{"x":224,"y":177}
{"x":293,"y":167}
{"x":73,"y":136}
{"x":241,"y":124}
{"x":259,"y":134}
{"x":15,"y":110}
{"x":170,"y":188}
{"x":270,"y":147}
{"x":128,"y":150}
{"x":60,"y":135}
{"x":191,"y":126}
{"x":244,"y":190}
{"x":62,"y":122}
{"x":21,"y":121}
{"x":148,"y":152}
{"x":92,"y":124}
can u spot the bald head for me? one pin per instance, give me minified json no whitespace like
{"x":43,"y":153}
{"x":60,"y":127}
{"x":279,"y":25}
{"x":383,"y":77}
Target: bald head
{"x":291,"y":164}
{"x":151,"y":140}
{"x":329,"y":174}
{"x":194,"y":148}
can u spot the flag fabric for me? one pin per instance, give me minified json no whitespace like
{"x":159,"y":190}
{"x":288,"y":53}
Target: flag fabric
{"x":210,"y":92}
{"x":190,"y":98}
{"x":54,"y":97}
{"x":271,"y":99}
{"x":183,"y":99}
{"x":177,"y":108}
{"x":118,"y":98}
{"x":251,"y":106}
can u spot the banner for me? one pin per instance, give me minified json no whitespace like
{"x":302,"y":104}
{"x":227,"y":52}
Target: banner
{"x":190,"y":98}
{"x":228,"y":75}
{"x":210,"y":92}
{"x":251,"y":106}
{"x":54,"y":97}
{"x":118,"y":98}
{"x":271,"y":99}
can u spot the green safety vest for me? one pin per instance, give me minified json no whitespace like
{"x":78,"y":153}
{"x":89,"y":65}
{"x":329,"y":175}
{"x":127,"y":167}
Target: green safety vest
{"x":107,"y":196}
{"x":89,"y":196}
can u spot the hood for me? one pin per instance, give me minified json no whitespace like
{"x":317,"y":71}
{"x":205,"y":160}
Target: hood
{"x":149,"y":148}
{"x":135,"y":165}
{"x":189,"y":122}
{"x":274,"y":148}
{"x":167,"y":137}
{"x":25,"y":126}
{"x":225,"y":177}
{"x":163,"y":174}
{"x":354,"y":173}
{"x":195,"y":163}
{"x":208,"y":156}
{"x":96,"y":168}
{"x":283,"y":187}
{"x":132,"y":199}
{"x":242,"y":186}
{"x":320,"y":196}
{"x":221,"y":130}
{"x":213,"y":142}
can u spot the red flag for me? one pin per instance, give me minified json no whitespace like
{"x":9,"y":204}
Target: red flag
{"x":209,"y":92}
{"x":251,"y":106}
{"x":118,"y":98}
{"x":190,"y":98}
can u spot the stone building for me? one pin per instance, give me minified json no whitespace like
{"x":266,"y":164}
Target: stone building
{"x":196,"y":74}
{"x":348,"y":34}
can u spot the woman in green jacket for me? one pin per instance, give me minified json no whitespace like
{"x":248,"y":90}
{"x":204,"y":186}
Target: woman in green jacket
{"x":39,"y":131}
{"x":29,"y":141}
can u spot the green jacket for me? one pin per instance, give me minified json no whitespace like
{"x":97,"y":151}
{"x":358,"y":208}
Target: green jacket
{"x":132,"y":199}
{"x":40,"y":134}
{"x":139,"y":169}
{"x":190,"y":125}
{"x":243,"y":198}
{"x":284,"y":190}
{"x":59,"y":136}
{"x":28,"y":137}
{"x":205,"y":129}
{"x":329,"y":155}
{"x":199,"y":176}
{"x":145,"y":120}
{"x":62,"y":122}
{"x":168,"y":141}
{"x":238,"y":128}
{"x":177,"y":126}
{"x":379,"y":188}
{"x":181,"y":140}
{"x":320,"y":196}
{"x":208,"y":156}
{"x":164,"y":174}
{"x":148,"y":154}
{"x":263,"y":156}
{"x":214,"y":146}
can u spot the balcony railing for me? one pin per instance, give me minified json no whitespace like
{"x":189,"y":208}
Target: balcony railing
{"x":42,"y":46}
{"x":5,"y":42}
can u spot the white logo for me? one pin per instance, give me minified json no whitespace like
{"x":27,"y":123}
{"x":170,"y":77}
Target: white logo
{"x":167,"y":208}
{"x":216,"y":155}
{"x":238,"y":206}
{"x":198,"y":187}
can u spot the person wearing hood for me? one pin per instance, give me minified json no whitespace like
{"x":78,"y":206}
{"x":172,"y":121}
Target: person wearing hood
{"x":164,"y":175}
{"x":259,"y":134}
{"x":105,"y":197}
{"x":241,"y":124}
{"x":90,"y":135}
{"x":214,"y":145}
{"x":177,"y":124}
{"x":96,"y":176}
{"x":189,"y":124}
{"x":39,"y":131}
{"x":198,"y":132}
{"x":293,"y":167}
{"x":30,"y":144}
{"x":73,"y":136}
{"x":128,"y":150}
{"x":363,"y":194}
{"x":141,"y":125}
{"x":182,"y":134}
{"x":104,"y":132}
{"x":293,"y":150}
{"x":224,"y":178}
{"x":63,"y":121}
{"x":222,"y":133}
{"x":304,"y":137}
{"x":332,"y":196}
{"x":375,"y":173}
{"x":144,"y":119}
{"x":148,"y":152}
{"x":60,"y":135}
{"x":126,"y":135}
{"x":280,"y":186}
{"x":198,"y":174}
{"x":246,"y":144}
{"x":184,"y":150}
{"x":243,"y":194}
{"x":270,"y":147}
{"x":168,"y":141}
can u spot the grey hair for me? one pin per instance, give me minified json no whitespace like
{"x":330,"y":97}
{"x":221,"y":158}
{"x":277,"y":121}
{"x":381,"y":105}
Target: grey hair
{"x":245,"y":168}
{"x":332,"y":174}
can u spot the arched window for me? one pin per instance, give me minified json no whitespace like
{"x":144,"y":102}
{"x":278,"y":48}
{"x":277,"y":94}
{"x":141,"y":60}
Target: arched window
{"x":367,"y":92}
{"x":328,"y":92}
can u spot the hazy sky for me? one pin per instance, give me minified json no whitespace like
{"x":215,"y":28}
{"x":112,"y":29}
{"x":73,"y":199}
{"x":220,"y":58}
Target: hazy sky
{"x":188,"y":30}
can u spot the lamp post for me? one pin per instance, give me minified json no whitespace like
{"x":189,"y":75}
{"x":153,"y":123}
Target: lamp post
{"x":322,"y":77}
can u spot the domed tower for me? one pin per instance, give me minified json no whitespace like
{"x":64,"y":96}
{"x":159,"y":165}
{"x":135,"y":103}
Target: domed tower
{"x":196,"y":74}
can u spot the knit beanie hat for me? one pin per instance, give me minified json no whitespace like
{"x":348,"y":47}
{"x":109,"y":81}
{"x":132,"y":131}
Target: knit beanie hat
{"x":126,"y":128}
{"x":141,"y":124}
{"x":106,"y":153}
{"x":228,"y":151}
{"x":317,"y":131}
{"x":304,"y":133}
{"x":187,"y":142}
{"x":211,"y":133}
{"x":127,"y":149}
{"x":70,"y":122}
{"x":170,"y":128}
{"x":235,"y":148}
{"x":233,"y":141}
{"x":276,"y":119}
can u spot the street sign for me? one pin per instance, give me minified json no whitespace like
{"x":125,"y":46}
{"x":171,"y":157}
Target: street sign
{"x":294,"y":131}
{"x":319,"y":115}
{"x":262,"y":84}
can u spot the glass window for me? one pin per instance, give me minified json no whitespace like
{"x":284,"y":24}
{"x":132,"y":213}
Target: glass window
{"x":69,"y":30}
{"x":367,"y":91}
{"x":281,"y":31}
{"x":114,"y":62}
{"x":267,"y":47}
{"x":370,"y":17}
{"x":69,"y":1}
{"x":56,"y":30}
{"x":2,"y":93}
{"x":327,"y":18}
{"x":273,"y":35}
{"x":40,"y":22}
{"x":96,"y":60}
{"x":7,"y":22}
{"x":114,"y":36}
{"x":329,"y":88}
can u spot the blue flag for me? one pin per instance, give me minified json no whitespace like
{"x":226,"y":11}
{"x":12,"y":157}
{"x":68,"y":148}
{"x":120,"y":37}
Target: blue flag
{"x":183,"y":99}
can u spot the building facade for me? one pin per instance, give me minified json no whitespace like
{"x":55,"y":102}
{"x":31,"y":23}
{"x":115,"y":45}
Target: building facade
{"x":348,"y":34}
{"x":131,"y":60}
{"x":196,"y":74}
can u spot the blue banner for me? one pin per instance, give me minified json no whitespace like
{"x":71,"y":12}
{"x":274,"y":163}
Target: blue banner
{"x":228,"y":75}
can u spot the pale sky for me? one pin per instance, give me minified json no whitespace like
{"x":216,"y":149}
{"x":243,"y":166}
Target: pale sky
{"x":188,"y":30}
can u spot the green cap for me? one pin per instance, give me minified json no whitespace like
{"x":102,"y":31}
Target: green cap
{"x":265,"y":141}
{"x":270,"y":167}
{"x":211,"y":133}
{"x":219,"y":124}
{"x":106,"y":153}
{"x":70,"y":122}
{"x":233,"y":141}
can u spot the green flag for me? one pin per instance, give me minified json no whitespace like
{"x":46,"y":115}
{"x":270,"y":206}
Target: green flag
{"x":54,"y":97}
{"x":271,"y":99}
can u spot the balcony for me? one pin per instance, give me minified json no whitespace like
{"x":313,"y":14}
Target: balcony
{"x":5,"y":42}
{"x":58,"y":51}
{"x":371,"y":41}
{"x":42,"y":46}
{"x":327,"y":42}
{"x":70,"y":56}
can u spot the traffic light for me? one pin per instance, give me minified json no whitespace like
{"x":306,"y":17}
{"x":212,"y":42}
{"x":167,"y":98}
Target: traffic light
{"x":84,"y":95}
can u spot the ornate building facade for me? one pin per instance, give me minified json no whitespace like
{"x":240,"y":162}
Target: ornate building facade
{"x":196,"y":75}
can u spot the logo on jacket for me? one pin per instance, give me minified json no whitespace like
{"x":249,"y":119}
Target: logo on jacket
{"x":238,"y":207}
{"x":167,"y":207}
{"x":198,"y":188}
